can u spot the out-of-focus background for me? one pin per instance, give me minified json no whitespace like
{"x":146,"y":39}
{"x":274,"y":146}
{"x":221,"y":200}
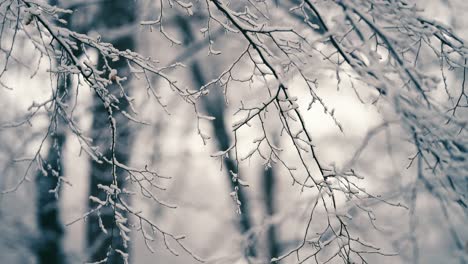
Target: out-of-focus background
{"x":275,"y":212}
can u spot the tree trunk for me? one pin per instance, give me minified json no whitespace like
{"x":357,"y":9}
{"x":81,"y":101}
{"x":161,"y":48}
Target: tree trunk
{"x":50,"y":227}
{"x":115,"y":15}
{"x":269,"y":190}
{"x":215,"y":108}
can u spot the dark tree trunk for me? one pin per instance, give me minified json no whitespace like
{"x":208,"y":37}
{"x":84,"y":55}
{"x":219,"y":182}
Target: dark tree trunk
{"x":48,"y":211}
{"x":215,"y":108}
{"x":50,"y":228}
{"x":269,"y":191}
{"x":115,"y":14}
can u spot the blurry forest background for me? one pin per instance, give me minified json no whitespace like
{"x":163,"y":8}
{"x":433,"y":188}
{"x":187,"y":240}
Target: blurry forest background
{"x":230,"y":207}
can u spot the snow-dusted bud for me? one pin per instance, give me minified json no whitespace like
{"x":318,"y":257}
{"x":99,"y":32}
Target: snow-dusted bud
{"x":113,"y":75}
{"x":28,"y":18}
